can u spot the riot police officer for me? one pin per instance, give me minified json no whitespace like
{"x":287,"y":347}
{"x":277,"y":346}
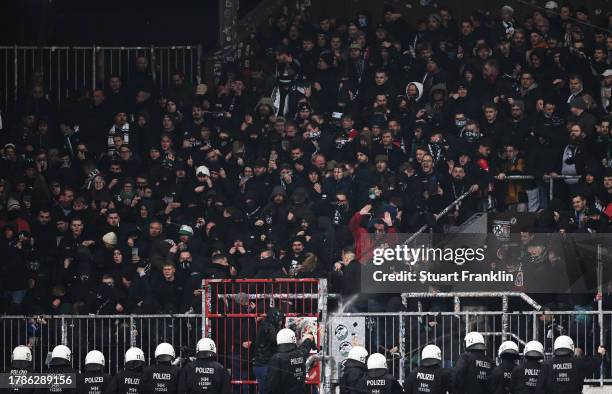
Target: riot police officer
{"x":378,"y":379}
{"x":525,"y":375}
{"x":93,"y":380}
{"x":353,"y":369}
{"x":130,"y":380}
{"x":21,"y":364}
{"x":288,"y":365}
{"x":499,"y":382}
{"x":162,"y":377}
{"x":473,"y":368}
{"x":564,"y":373}
{"x":204,"y":374}
{"x":61,"y":363}
{"x":429,"y":377}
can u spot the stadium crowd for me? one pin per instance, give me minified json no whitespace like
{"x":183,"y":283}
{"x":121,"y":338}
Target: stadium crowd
{"x":122,"y":199}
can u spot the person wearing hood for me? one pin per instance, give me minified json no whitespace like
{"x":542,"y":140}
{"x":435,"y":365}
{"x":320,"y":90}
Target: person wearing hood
{"x":107,"y":299}
{"x":130,"y":380}
{"x":258,"y":185}
{"x":162,"y":377}
{"x":500,"y":380}
{"x":429,"y":377}
{"x":325,"y":84}
{"x":434,"y":74}
{"x":61,"y":363}
{"x":265,"y":346}
{"x":288,"y":365}
{"x":275,"y":216}
{"x":353,"y":369}
{"x":293,"y":261}
{"x":378,"y":379}
{"x":414,"y":91}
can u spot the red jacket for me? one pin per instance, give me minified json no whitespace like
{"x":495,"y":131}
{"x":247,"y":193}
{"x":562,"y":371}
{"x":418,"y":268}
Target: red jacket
{"x":363,"y":242}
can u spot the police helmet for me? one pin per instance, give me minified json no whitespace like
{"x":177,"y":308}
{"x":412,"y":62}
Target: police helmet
{"x":164,"y":352}
{"x":134,"y":358}
{"x":285,"y":336}
{"x":94,"y":361}
{"x":358,"y":353}
{"x":508,"y":348}
{"x":474,"y":341}
{"x":534,"y":349}
{"x":206,"y":348}
{"x":563,"y":345}
{"x":61,"y":355}
{"x":431,"y":355}
{"x":377,"y":361}
{"x":21,"y":357}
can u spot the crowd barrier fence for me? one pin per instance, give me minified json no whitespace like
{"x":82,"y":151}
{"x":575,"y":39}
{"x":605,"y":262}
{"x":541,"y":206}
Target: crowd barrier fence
{"x":399,"y":336}
{"x":234,"y":309}
{"x":64,"y":70}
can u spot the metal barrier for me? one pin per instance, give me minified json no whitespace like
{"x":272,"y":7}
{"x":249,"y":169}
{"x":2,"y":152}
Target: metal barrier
{"x":234,"y":308}
{"x":401,"y":336}
{"x":450,"y":206}
{"x":66,"y":69}
{"x":548,"y":179}
{"x":112,"y":334}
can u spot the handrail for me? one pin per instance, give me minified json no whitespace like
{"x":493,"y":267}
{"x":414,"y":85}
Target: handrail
{"x":474,"y":294}
{"x":438,"y":216}
{"x":442,"y":213}
{"x":547,"y":178}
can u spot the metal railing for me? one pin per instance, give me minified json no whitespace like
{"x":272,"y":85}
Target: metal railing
{"x":548,"y":179}
{"x":401,"y":336}
{"x":67,"y":69}
{"x":111,"y":334}
{"x":447,"y":209}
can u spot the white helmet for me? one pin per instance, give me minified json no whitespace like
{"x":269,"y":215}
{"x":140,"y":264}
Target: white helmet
{"x":431,"y":355}
{"x":164,"y":352}
{"x":358,"y":353}
{"x":61,"y":353}
{"x":134,"y":358}
{"x":94,"y":360}
{"x":285,"y":336}
{"x":22,"y":357}
{"x":474,"y":340}
{"x":206,"y":348}
{"x":534,"y":349}
{"x":508,"y":348}
{"x":563,"y":345}
{"x":377,"y":361}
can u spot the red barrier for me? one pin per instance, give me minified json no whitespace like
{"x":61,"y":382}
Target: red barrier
{"x":233,"y":309}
